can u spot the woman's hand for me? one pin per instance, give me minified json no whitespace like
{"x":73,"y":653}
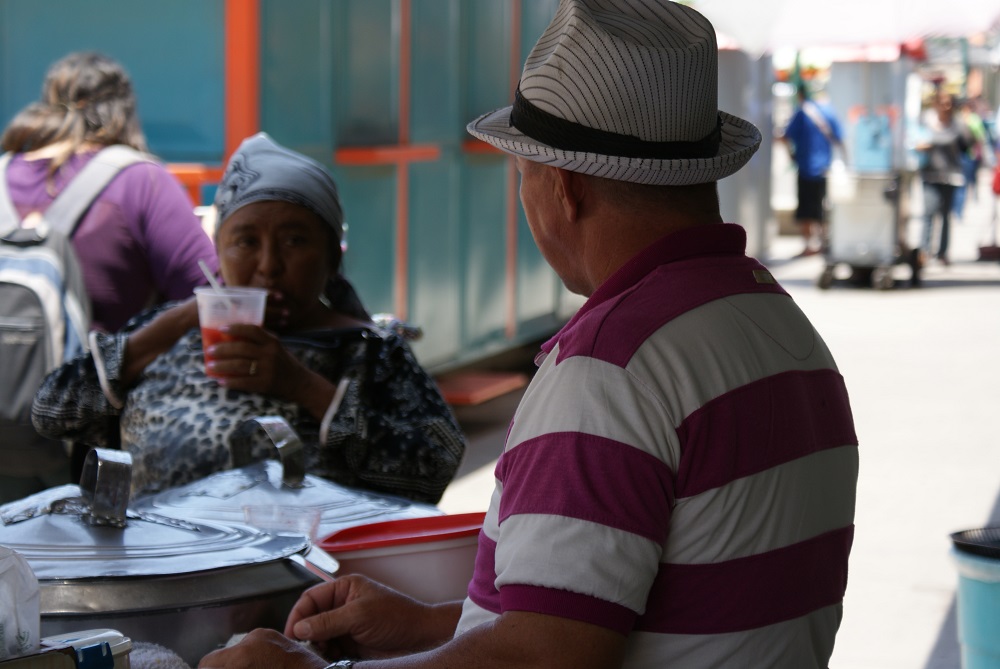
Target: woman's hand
{"x":256,"y":362}
{"x":354,"y":616}
{"x":252,"y":359}
{"x":158,"y":336}
{"x":275,"y":312}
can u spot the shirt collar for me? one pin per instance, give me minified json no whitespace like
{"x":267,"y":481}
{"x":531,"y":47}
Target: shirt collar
{"x":701,"y":240}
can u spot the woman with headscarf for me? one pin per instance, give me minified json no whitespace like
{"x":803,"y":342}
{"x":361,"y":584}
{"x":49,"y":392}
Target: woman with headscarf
{"x":385,"y":428}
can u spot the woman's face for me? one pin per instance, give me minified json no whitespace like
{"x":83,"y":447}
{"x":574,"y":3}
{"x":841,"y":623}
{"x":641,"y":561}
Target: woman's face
{"x":284,"y":248}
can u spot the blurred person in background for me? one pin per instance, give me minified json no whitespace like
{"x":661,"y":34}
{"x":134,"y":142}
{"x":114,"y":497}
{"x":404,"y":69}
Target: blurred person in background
{"x":140,"y":242}
{"x":137,"y":245}
{"x":810,"y":137}
{"x":942,"y":142}
{"x":972,"y":158}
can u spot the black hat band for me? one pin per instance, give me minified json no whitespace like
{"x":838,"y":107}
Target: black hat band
{"x":570,"y":136}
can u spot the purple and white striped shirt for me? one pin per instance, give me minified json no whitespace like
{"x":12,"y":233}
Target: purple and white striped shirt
{"x":682,"y":469}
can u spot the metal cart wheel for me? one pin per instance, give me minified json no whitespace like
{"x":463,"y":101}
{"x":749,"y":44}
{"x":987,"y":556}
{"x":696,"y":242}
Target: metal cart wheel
{"x":825,"y":279}
{"x":915,"y":268}
{"x":882,"y":278}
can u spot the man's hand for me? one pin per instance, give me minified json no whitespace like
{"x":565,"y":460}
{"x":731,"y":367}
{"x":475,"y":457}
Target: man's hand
{"x":357,"y":618}
{"x":263,"y":649}
{"x":354,"y":616}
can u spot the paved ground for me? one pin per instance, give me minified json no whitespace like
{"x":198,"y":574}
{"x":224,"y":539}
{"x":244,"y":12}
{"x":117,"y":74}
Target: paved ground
{"x":923,"y":370}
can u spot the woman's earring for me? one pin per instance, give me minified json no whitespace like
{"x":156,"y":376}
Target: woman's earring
{"x":325,"y":301}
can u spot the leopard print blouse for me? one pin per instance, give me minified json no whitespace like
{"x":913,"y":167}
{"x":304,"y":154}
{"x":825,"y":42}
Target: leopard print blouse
{"x":392,"y":432}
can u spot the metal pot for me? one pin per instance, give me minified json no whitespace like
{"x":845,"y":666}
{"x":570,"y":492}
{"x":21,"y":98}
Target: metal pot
{"x":283,"y":482}
{"x":188,"y":586}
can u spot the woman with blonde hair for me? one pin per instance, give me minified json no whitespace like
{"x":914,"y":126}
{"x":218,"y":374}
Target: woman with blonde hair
{"x":139,"y":242}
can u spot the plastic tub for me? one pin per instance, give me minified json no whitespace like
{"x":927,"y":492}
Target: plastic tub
{"x":430,"y":559}
{"x":977,"y":557}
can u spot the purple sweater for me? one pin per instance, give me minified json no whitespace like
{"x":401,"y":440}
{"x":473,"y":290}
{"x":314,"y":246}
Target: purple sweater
{"x":138,"y":244}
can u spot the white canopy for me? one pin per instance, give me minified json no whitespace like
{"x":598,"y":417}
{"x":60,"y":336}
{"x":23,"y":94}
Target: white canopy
{"x":759,"y":26}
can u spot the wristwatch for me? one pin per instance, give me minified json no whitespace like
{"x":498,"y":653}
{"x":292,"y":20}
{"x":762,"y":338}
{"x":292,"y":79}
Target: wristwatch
{"x":343,"y":664}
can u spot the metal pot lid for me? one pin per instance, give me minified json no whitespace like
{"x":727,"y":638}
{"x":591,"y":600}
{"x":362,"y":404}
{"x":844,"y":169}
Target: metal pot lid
{"x":72,"y":532}
{"x":222,"y":496}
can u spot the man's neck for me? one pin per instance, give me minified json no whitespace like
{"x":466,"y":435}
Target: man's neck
{"x":618,"y":241}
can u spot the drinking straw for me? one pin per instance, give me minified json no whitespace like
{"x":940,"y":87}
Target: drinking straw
{"x":208,"y":275}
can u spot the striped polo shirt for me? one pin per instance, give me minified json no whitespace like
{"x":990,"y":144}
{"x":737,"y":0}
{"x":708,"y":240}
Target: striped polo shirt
{"x":682,"y":469}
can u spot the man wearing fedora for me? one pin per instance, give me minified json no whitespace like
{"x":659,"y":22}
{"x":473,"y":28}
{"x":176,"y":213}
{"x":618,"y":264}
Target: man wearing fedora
{"x":678,"y":483}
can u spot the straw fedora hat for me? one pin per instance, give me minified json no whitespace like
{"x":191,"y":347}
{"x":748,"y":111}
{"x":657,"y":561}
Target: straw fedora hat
{"x":627,"y":90}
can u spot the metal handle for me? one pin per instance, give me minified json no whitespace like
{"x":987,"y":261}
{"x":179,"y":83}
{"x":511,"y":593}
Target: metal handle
{"x":291,"y":452}
{"x":105,"y":484}
{"x":317,"y":561}
{"x":401,"y":328}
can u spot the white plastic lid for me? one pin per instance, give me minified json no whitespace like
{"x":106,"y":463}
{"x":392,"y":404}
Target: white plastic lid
{"x":118,"y":642}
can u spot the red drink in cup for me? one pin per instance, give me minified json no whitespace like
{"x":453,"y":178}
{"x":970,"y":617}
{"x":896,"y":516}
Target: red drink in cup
{"x":226,"y":306}
{"x":209,"y":337}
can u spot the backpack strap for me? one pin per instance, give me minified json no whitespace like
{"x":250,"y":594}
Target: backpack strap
{"x":816,"y":115}
{"x":9,"y":218}
{"x":68,"y":207}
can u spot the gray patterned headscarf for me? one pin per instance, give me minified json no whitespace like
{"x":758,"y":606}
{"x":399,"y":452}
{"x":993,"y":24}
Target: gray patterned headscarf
{"x":262,"y":170}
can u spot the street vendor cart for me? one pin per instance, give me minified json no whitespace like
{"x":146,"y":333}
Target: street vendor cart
{"x":866,"y":230}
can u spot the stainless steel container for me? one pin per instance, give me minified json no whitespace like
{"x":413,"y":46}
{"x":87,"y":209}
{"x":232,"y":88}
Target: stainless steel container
{"x":222,"y":497}
{"x":188,"y":586}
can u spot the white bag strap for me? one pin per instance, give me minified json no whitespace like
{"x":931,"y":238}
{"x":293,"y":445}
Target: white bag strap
{"x":69,"y":206}
{"x":816,"y":115}
{"x":9,"y":218}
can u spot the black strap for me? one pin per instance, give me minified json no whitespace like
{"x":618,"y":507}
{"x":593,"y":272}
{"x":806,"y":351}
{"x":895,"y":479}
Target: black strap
{"x":569,"y":136}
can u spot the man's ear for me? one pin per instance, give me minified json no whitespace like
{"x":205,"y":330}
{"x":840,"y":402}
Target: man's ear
{"x":570,"y":188}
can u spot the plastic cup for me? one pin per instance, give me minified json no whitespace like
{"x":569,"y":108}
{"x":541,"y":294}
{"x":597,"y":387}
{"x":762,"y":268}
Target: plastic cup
{"x":218,"y":307}
{"x":277,"y":518}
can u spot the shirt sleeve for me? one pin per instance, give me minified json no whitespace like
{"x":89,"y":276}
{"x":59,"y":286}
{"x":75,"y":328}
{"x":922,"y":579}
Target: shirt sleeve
{"x":794,"y":127}
{"x":171,"y":234}
{"x":81,"y":399}
{"x":392,"y":431}
{"x":586,"y":498}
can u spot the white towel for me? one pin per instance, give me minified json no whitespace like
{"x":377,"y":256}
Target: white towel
{"x":147,"y":655}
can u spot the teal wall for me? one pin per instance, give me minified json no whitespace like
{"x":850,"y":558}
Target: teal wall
{"x":329,"y":79}
{"x":172,"y":50}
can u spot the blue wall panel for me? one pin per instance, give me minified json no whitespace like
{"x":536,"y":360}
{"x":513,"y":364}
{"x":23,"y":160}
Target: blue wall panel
{"x":366,"y":80}
{"x":435,"y":260}
{"x":172,"y":50}
{"x":298,"y":59}
{"x":436,"y":256}
{"x":369,"y":199}
{"x":485,"y":81}
{"x":483,"y":211}
{"x":436,"y":114}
